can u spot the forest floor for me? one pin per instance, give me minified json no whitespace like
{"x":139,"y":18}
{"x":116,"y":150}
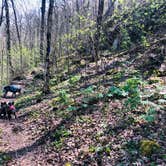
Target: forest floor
{"x":92,"y":131}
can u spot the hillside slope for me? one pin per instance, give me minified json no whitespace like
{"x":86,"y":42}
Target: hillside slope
{"x":114,"y":115}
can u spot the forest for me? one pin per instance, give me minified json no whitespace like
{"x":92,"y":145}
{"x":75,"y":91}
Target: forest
{"x":83,"y":82}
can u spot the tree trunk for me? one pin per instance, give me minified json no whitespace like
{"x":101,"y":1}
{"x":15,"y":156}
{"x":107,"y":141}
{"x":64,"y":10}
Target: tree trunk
{"x":42,"y":27}
{"x":18,"y":36}
{"x":2,"y":62}
{"x":46,"y":88}
{"x":98,"y":28}
{"x":78,"y":14}
{"x":8,"y":43}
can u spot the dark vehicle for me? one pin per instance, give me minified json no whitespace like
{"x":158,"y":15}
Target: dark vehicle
{"x":11,"y":88}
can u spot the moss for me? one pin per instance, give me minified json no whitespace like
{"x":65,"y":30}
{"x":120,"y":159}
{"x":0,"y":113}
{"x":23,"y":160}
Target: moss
{"x":148,"y":147}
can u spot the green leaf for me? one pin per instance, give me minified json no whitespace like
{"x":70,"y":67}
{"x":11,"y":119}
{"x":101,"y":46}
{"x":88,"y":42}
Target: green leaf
{"x":100,"y":95}
{"x":149,"y":118}
{"x":109,"y":94}
{"x":113,"y":90}
{"x":72,"y":108}
{"x":84,"y":105}
{"x":151,"y":111}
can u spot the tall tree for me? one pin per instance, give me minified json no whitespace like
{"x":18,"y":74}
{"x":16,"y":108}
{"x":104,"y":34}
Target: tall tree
{"x":42,"y":28}
{"x":18,"y":34}
{"x":78,"y":13}
{"x":98,"y":28}
{"x":2,"y":62}
{"x":46,"y":88}
{"x":8,"y":42}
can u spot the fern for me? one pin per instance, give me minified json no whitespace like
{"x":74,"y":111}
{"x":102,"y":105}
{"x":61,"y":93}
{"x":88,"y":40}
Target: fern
{"x":150,"y":116}
{"x":116,"y":92}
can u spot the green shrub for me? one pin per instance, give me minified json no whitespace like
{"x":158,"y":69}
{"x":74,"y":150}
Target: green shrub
{"x":132,"y":84}
{"x":89,"y":90}
{"x":64,"y":97}
{"x":150,"y":115}
{"x":131,"y":87}
{"x":74,"y":79}
{"x":59,"y":136}
{"x":148,"y":147}
{"x":126,"y":41}
{"x":62,"y":132}
{"x":116,"y":92}
{"x":53,"y":82}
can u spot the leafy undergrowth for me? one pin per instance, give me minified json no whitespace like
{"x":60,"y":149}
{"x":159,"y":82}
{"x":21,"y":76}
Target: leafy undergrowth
{"x":115,"y":117}
{"x":111,"y":125}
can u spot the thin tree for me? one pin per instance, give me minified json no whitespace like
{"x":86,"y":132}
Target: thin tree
{"x":42,"y":28}
{"x":98,"y":28}
{"x":18,"y":34}
{"x":2,"y":62}
{"x":8,"y":42}
{"x":78,"y":13}
{"x":46,"y":88}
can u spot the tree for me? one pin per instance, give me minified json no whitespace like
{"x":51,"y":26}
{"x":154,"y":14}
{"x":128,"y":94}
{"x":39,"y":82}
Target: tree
{"x":8,"y":43}
{"x":2,"y":62}
{"x":98,"y":28}
{"x":46,"y":88}
{"x":78,"y":13}
{"x":18,"y":35}
{"x":42,"y":27}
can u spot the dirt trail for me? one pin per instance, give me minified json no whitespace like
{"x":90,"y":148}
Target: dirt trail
{"x":15,"y":134}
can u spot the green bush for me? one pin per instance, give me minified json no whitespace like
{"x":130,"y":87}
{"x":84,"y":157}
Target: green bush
{"x":148,"y":147}
{"x":116,"y":92}
{"x":63,"y":98}
{"x":59,"y":136}
{"x":89,"y":90}
{"x":150,"y":115}
{"x":131,"y":87}
{"x":74,"y":79}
